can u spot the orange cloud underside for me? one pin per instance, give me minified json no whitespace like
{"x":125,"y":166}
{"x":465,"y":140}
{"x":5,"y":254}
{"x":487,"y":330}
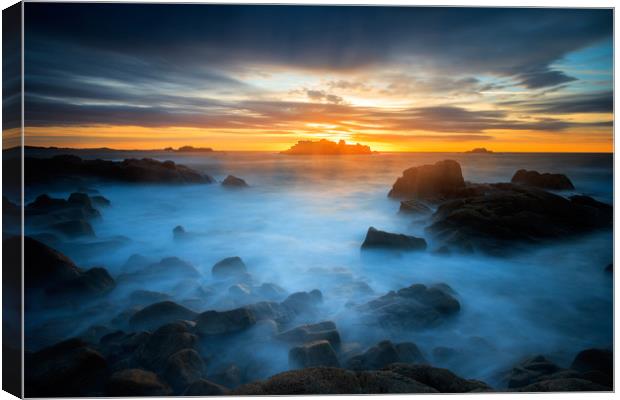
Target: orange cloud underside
{"x":591,"y":139}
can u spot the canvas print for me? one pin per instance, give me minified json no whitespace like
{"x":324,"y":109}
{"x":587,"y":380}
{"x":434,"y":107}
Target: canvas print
{"x":285,"y":199}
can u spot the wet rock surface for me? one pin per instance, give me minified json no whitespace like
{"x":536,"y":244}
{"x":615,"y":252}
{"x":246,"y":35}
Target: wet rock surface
{"x":430,"y":182}
{"x":376,"y":239}
{"x":233,"y":182}
{"x":544,"y":180}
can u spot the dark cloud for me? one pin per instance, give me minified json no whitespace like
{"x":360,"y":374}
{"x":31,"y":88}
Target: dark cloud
{"x":321,"y":95}
{"x":602,"y":102}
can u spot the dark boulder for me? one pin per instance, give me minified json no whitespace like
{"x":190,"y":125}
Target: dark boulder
{"x":388,"y":382}
{"x":136,"y":382}
{"x":597,"y":364}
{"x":43,"y":266}
{"x":414,"y":307}
{"x":234,"y":182}
{"x":203,"y":387}
{"x":385,"y":353}
{"x":530,"y":371}
{"x":93,"y":282}
{"x":100,"y":201}
{"x":319,"y":353}
{"x":414,"y":207}
{"x":73,"y":228}
{"x":443,"y":380}
{"x":230,"y":267}
{"x":271,"y":291}
{"x":312,"y":332}
{"x":224,"y":322}
{"x":543,"y":181}
{"x":183,"y":368}
{"x":164,"y":342}
{"x":179,"y":232}
{"x":376,"y":239}
{"x":430,"y":182}
{"x":504,"y":214}
{"x":158,"y":314}
{"x":69,"y":368}
{"x":565,"y":385}
{"x":309,"y":381}
{"x":147,"y":297}
{"x":303,"y":302}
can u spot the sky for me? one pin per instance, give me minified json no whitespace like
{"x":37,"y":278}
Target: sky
{"x":263,"y":77}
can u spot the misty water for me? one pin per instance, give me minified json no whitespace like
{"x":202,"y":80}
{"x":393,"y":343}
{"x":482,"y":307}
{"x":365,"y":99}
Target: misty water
{"x":300,"y":225}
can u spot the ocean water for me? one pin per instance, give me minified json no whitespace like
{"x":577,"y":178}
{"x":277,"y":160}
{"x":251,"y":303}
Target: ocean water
{"x":300,"y":225}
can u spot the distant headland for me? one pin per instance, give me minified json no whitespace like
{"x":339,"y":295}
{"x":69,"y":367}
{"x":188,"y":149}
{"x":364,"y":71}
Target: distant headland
{"x":480,"y":150}
{"x":326,"y":147}
{"x":190,"y":149}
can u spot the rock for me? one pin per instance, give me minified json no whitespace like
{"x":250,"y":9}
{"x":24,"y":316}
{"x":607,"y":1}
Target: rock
{"x":135,"y":262}
{"x":203,"y":387}
{"x":229,"y":376}
{"x":376,"y":239}
{"x":309,"y":381}
{"x":46,"y":170}
{"x":46,"y":209}
{"x":264,"y":310}
{"x":234,"y":182}
{"x":530,"y":371}
{"x":230,"y":267}
{"x":415,"y":307}
{"x":600,"y":360}
{"x":158,"y":314}
{"x":385,"y":353}
{"x":543,"y":181}
{"x":565,"y":385}
{"x":136,"y":382}
{"x":319,"y":353}
{"x":443,"y":355}
{"x":503,"y":215}
{"x":430,"y":182}
{"x":172,"y":266}
{"x":414,"y":207}
{"x":43,"y":266}
{"x":164,"y":342}
{"x":224,"y":322}
{"x":442,"y":380}
{"x":377,"y":382}
{"x":183,"y":368}
{"x":271,"y":291}
{"x":178,"y":232}
{"x":74,"y":229}
{"x":100,"y":201}
{"x":312,"y":332}
{"x":303,"y":302}
{"x":240,"y":290}
{"x":94,"y":282}
{"x":94,"y":333}
{"x":147,"y":297}
{"x":119,"y":347}
{"x":69,"y":368}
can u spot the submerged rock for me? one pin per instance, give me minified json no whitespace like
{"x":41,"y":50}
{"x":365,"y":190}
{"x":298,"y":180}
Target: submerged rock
{"x":69,"y":368}
{"x":376,"y":239}
{"x":414,"y":307}
{"x":442,"y":380}
{"x":164,"y":342}
{"x":234,"y":182}
{"x":44,"y":170}
{"x":543,"y":181}
{"x":385,"y":353}
{"x":224,"y":322}
{"x":530,"y":371}
{"x":100,"y":201}
{"x":74,"y":228}
{"x":230,"y":267}
{"x":179,"y":232}
{"x":503,"y":214}
{"x":303,"y":302}
{"x":311,"y":333}
{"x":158,"y":314}
{"x":430,"y":182}
{"x":414,"y":207}
{"x":183,"y":368}
{"x":136,"y":382}
{"x":319,"y":353}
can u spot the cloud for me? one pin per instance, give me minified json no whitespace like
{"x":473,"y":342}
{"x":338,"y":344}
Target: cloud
{"x":602,"y":102}
{"x":320,"y":95}
{"x":396,"y":138}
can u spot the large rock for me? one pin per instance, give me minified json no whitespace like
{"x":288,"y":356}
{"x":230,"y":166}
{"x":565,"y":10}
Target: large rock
{"x":312,"y":381}
{"x":414,"y":307}
{"x":543,"y":181}
{"x":385,"y":353}
{"x":93,"y":282}
{"x":502,"y":215}
{"x":158,"y":314}
{"x":230,"y":267}
{"x":203,"y":387}
{"x":319,"y":353}
{"x":443,"y":380}
{"x":596,"y":365}
{"x":530,"y":371}
{"x":234,"y":182}
{"x":136,"y":382}
{"x":164,"y":342}
{"x":183,"y":368}
{"x":74,"y":228}
{"x":69,"y":368}
{"x":376,"y":239}
{"x":303,"y":302}
{"x":388,"y":382}
{"x":430,"y":182}
{"x":565,"y":385}
{"x":224,"y":322}
{"x":312,"y":332}
{"x":45,"y":170}
{"x":414,"y":207}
